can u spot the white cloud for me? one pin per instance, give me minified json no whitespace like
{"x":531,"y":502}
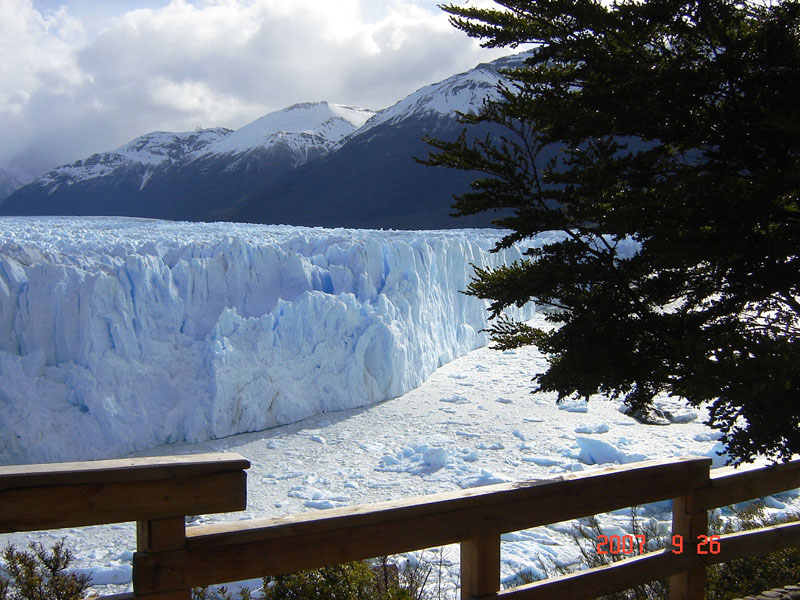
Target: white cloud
{"x":36,"y":52}
{"x":68,"y":89}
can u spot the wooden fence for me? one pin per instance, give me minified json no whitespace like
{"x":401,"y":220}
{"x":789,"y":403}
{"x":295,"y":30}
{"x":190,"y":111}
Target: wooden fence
{"x":158,"y":493}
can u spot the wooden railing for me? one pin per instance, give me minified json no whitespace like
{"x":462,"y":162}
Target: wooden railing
{"x":158,"y":493}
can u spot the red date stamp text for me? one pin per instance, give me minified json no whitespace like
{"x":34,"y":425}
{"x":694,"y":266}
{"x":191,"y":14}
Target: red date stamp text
{"x":634,"y":544}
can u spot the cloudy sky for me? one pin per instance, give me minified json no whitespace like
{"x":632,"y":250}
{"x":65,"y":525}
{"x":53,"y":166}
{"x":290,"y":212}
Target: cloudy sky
{"x":84,"y":76}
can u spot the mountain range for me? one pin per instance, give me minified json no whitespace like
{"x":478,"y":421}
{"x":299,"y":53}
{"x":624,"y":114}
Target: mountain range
{"x":316,"y":164}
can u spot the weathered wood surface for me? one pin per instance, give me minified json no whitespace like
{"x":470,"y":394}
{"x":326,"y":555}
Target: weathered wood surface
{"x":156,"y":489}
{"x":731,"y":485}
{"x":158,"y":493}
{"x":653,"y":566}
{"x":480,"y":567}
{"x":160,"y":536}
{"x":119,"y":470}
{"x":756,"y":542}
{"x":244,"y":550}
{"x":688,"y":521}
{"x":596,"y":582}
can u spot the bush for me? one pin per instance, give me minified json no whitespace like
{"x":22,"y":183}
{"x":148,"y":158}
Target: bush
{"x":350,"y":581}
{"x":380,"y":579}
{"x":757,"y":573}
{"x":739,"y":578}
{"x":587,"y":533}
{"x":40,"y":575}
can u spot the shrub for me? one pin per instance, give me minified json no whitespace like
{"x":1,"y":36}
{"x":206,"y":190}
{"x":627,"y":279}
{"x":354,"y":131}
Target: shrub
{"x":733,"y":579}
{"x":757,"y":573}
{"x":40,"y":575}
{"x":587,"y":533}
{"x":350,"y":581}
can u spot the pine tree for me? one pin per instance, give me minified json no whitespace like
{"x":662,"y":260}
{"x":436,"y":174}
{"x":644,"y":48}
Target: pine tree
{"x":662,"y":137}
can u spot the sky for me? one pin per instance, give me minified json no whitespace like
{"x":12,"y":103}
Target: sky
{"x":84,"y":76}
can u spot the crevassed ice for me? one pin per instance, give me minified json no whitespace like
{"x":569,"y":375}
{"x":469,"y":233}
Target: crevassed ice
{"x":120,"y":334}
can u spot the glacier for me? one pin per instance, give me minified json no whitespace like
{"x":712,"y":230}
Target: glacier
{"x":119,"y":334}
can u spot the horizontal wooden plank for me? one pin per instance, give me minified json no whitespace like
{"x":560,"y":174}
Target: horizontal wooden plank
{"x":248,"y":549}
{"x":117,"y":470}
{"x":756,"y":542}
{"x":174,"y":595}
{"x":31,"y":509}
{"x":599,"y":581}
{"x":652,"y":567}
{"x":732,"y":485}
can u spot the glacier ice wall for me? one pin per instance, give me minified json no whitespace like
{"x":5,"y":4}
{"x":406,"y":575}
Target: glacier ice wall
{"x":120,"y":334}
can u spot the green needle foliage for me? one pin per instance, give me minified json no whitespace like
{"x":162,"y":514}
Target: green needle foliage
{"x":40,"y":575}
{"x":662,"y":137}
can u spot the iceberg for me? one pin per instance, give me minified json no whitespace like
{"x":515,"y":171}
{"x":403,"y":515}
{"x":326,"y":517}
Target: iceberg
{"x":120,"y":334}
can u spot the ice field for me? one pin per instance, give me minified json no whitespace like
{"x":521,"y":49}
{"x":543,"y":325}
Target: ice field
{"x":353,"y":352}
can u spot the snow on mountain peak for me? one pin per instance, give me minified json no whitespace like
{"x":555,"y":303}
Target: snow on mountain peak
{"x":463,"y":92}
{"x":152,"y":149}
{"x":318,"y":123}
{"x":159,"y":146}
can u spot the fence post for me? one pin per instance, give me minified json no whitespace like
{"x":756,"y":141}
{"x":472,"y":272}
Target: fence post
{"x":162,"y":535}
{"x":688,"y":523}
{"x":480,"y":567}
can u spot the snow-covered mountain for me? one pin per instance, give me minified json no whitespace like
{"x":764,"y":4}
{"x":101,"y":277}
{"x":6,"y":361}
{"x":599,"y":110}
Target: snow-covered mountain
{"x":307,"y":129}
{"x":186,"y":176}
{"x":279,"y":168}
{"x":371,"y":179}
{"x":463,"y":92}
{"x":145,"y":155}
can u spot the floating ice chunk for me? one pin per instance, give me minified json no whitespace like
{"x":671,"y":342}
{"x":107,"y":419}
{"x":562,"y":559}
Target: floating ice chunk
{"x":316,"y":498}
{"x":436,"y":458}
{"x":389,"y":461}
{"x":599,"y":428}
{"x":498,"y":445}
{"x":788,"y":494}
{"x":574,"y":406}
{"x":718,"y":455}
{"x":468,"y":434}
{"x":684,"y":416}
{"x":771,"y":502}
{"x":598,"y":452}
{"x":485,"y":478}
{"x":519,"y":435}
{"x":541,"y":461}
{"x":319,"y":439}
{"x":285,"y":475}
{"x":321,"y":504}
{"x":455,"y":400}
{"x":502,"y":400}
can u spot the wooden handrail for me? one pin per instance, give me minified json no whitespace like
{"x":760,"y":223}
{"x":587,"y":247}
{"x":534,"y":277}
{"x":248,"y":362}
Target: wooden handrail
{"x":50,"y":496}
{"x":223,"y":552}
{"x":733,"y":485}
{"x":171,"y":559}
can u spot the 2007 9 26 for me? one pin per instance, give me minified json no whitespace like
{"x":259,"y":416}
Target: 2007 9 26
{"x":627,"y":544}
